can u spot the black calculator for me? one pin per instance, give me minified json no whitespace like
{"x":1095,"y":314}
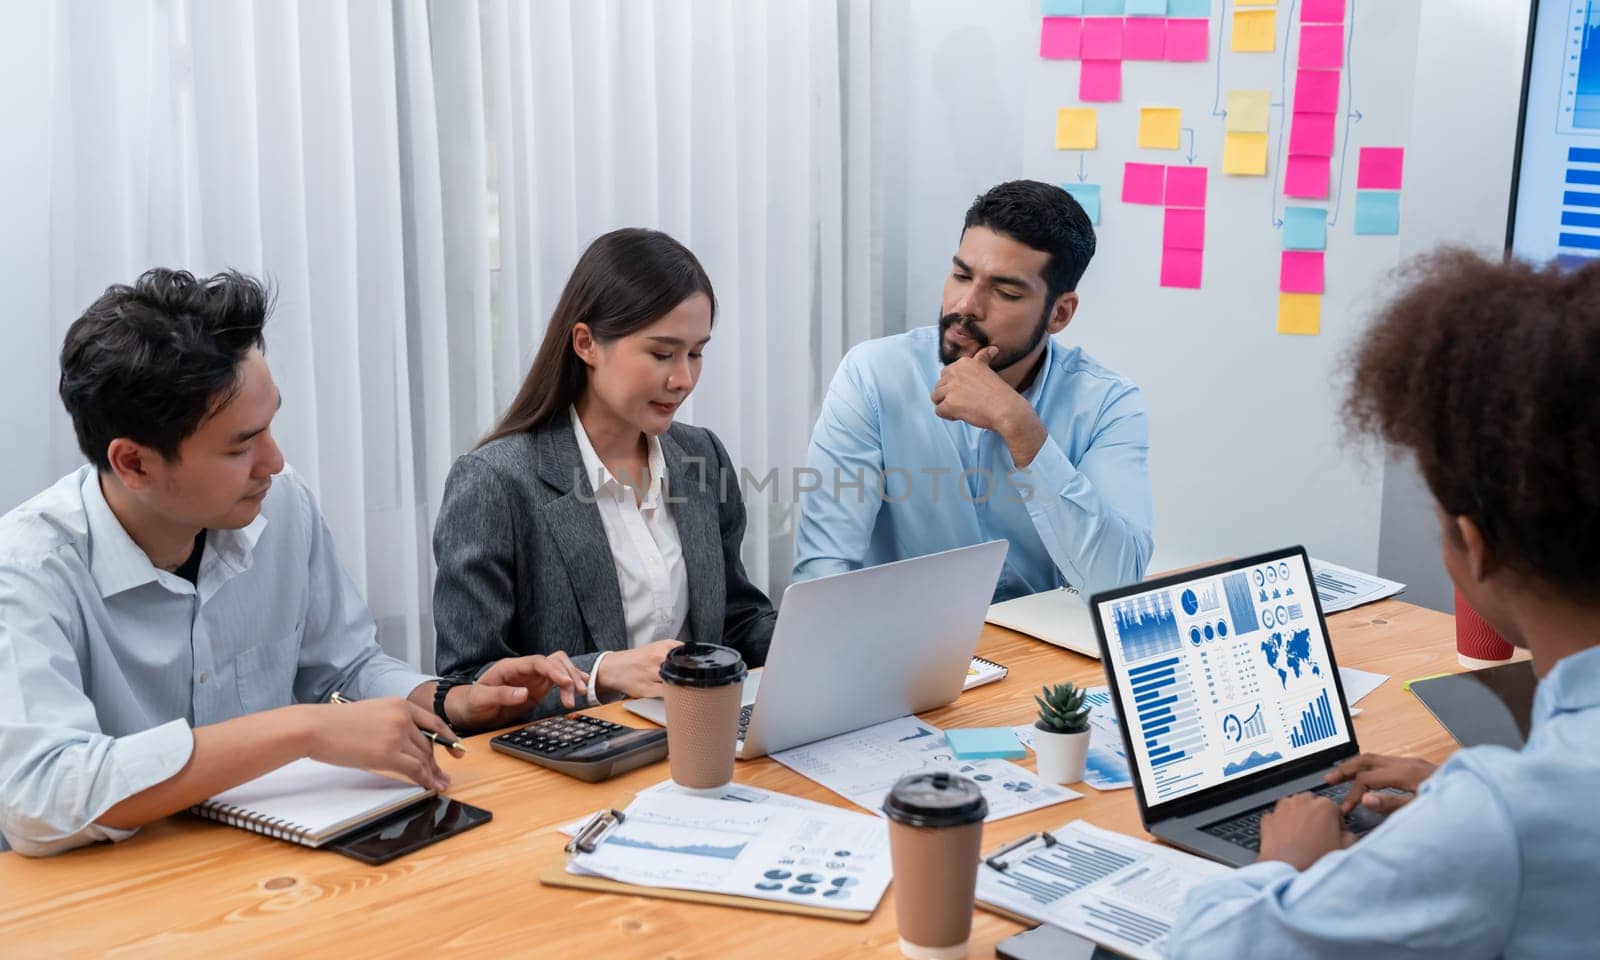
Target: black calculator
{"x":585,"y":747}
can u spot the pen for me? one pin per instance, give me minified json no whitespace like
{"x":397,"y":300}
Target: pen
{"x":441,"y":741}
{"x":1407,"y":685}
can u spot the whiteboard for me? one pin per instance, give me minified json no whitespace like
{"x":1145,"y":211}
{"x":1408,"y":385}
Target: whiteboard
{"x":1247,"y":450}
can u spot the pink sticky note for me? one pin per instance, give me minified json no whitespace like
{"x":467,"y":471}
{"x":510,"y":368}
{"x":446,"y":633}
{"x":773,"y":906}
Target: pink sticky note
{"x":1189,"y":41}
{"x":1102,"y":38}
{"x":1143,"y":182}
{"x":1061,"y":38}
{"x":1144,"y":38}
{"x":1316,"y":91}
{"x":1380,"y":168}
{"x":1184,"y":229}
{"x":1181,"y":268}
{"x":1306,"y":176}
{"x":1301,"y":272}
{"x":1322,"y":46}
{"x":1186,"y":186}
{"x":1322,"y":11}
{"x":1312,"y":133}
{"x":1100,"y":81}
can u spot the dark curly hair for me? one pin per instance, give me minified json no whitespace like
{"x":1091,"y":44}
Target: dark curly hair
{"x":1044,"y":217}
{"x":1489,"y":373}
{"x":150,"y":361}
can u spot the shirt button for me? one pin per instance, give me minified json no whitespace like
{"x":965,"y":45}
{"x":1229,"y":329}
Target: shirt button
{"x":204,"y":676}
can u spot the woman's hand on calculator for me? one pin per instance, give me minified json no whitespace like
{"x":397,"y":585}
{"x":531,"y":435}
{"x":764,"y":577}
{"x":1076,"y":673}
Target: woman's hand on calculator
{"x":511,"y":686}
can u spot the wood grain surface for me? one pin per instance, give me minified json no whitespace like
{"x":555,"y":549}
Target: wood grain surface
{"x":186,"y":887}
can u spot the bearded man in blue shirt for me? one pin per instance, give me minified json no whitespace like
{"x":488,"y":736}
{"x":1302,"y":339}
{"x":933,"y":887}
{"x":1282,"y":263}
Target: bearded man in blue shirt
{"x":985,"y":426}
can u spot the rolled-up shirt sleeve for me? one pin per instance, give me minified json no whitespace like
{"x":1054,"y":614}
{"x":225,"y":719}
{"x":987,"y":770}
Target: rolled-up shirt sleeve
{"x":58,"y":772}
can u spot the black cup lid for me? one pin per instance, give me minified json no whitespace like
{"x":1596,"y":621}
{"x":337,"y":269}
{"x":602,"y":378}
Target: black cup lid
{"x":938,"y":799}
{"x":703,"y":665}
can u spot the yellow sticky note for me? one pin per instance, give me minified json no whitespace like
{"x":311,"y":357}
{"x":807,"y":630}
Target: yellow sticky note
{"x":1300,"y":313}
{"x":1075,"y":128}
{"x":1248,"y":110}
{"x":1244,"y":154}
{"x":1255,"y":31}
{"x":1160,"y":128}
{"x":1255,"y":3}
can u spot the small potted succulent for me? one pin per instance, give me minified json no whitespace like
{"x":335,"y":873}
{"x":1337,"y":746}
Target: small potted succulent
{"x":1062,"y":743}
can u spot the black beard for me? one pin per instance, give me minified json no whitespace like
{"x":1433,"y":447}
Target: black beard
{"x":948,"y":356}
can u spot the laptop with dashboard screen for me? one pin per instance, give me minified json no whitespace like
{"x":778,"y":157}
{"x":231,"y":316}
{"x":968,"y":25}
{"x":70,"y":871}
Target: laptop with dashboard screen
{"x":1230,"y":697}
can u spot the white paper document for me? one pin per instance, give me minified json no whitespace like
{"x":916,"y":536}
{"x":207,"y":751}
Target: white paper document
{"x":1359,"y":683}
{"x":1106,"y":767}
{"x":736,"y":792}
{"x":823,"y":857}
{"x":862,"y":766}
{"x":1119,"y":892}
{"x":1340,"y":588}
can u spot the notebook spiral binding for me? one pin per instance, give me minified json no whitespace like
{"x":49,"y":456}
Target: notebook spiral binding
{"x":275,"y":827}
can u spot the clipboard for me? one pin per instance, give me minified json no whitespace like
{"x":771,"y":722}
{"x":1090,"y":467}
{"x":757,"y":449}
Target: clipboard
{"x":992,"y":861}
{"x":554,"y":874}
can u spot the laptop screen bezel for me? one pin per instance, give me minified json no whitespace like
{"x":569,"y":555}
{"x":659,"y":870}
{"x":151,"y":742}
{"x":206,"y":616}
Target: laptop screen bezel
{"x":1232,"y":789}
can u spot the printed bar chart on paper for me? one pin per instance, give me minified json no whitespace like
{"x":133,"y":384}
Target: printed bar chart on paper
{"x":1117,"y":891}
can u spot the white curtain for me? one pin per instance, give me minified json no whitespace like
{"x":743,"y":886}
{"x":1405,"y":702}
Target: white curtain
{"x":418,"y":180}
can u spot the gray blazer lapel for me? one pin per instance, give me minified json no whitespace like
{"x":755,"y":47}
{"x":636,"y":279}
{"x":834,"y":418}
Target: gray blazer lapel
{"x":692,"y":490}
{"x":574,"y":524}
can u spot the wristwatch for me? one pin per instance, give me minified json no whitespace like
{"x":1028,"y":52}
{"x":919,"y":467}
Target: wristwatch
{"x":439,"y":692}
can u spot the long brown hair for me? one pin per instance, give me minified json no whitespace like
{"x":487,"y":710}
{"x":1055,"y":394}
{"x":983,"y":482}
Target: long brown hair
{"x":625,"y":281}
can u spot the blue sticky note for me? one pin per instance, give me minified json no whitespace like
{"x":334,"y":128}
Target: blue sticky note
{"x":985,"y":743}
{"x":1200,"y":9}
{"x":1146,"y":8}
{"x":1102,"y":8}
{"x":1061,"y":8}
{"x":1088,"y":197}
{"x":1305,"y":228}
{"x":1377,"y":212}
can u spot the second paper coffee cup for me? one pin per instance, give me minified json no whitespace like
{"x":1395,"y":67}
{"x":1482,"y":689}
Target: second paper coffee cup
{"x":935,"y":840}
{"x":704,"y":684}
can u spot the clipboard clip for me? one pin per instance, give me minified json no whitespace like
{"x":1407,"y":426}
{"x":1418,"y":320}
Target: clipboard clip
{"x":595,"y":828}
{"x":994,"y":861}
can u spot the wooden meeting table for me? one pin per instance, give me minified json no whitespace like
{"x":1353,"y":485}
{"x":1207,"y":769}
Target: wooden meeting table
{"x":186,"y":887}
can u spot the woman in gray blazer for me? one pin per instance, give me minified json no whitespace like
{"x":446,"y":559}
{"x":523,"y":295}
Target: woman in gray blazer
{"x":588,"y":521}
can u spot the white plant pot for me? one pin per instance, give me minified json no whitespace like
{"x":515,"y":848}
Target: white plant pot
{"x":1061,"y":756}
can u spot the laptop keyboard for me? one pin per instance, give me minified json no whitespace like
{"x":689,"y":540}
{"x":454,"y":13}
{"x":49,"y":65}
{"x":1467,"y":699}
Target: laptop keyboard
{"x":1244,"y":830}
{"x":744,"y":719}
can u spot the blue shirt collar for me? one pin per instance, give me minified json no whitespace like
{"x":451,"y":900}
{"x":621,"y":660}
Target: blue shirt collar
{"x":1572,"y":685}
{"x":118,"y":564}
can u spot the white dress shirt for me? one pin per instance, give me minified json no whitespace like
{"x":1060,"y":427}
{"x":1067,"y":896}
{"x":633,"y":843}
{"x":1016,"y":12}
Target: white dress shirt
{"x":644,"y":548}
{"x":107,"y":662}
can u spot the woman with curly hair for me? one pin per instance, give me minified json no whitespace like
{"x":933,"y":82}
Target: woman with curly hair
{"x":1489,"y":374}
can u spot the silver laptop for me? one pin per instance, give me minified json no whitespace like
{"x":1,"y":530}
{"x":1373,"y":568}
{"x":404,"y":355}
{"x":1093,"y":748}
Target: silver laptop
{"x":859,"y":648}
{"x":1230,"y":698}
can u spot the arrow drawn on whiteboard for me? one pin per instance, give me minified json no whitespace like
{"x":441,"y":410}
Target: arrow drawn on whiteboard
{"x":1216,"y":96}
{"x":1190,"y":132}
{"x":1081,"y":175}
{"x":1283,"y":89}
{"x":1351,"y":113}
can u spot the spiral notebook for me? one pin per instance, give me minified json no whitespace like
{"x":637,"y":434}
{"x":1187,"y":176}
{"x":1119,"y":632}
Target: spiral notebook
{"x":310,"y":802}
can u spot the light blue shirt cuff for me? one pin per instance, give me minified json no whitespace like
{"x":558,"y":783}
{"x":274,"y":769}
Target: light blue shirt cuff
{"x":41,"y":825}
{"x":1044,"y":479}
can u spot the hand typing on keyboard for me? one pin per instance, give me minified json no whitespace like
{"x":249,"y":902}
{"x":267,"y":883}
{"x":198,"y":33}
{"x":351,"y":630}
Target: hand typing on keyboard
{"x":1302,"y":829}
{"x":1370,"y":773}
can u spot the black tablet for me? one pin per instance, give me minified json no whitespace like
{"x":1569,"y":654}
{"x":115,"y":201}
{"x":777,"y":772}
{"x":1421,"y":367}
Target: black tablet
{"x":1493,"y":705}
{"x":410,"y":829}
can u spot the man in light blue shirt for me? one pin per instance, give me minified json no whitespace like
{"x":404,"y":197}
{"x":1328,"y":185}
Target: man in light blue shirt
{"x":173,"y":618}
{"x":985,"y":427}
{"x":1499,"y":853}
